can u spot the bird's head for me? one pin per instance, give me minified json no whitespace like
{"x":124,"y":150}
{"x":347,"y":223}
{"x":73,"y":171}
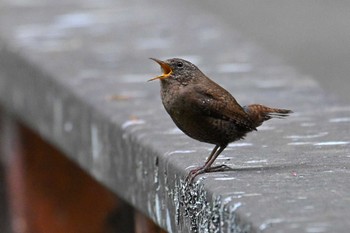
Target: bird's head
{"x":176,"y":69}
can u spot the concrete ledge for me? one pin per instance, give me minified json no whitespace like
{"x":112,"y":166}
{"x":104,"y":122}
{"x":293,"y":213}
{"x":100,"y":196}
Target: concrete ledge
{"x":76,"y":74}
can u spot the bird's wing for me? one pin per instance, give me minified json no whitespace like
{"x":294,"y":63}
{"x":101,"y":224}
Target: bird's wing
{"x":217,"y":103}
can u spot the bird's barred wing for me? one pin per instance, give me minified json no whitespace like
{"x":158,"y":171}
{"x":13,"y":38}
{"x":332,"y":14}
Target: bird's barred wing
{"x":222,"y":105}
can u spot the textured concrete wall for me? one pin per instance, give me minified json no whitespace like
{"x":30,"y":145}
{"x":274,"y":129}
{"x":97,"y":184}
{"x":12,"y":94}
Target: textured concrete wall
{"x":76,"y":73}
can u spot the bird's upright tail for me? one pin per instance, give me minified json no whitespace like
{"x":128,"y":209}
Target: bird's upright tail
{"x":260,"y":113}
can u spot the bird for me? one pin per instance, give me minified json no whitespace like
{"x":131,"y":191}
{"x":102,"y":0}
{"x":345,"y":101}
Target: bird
{"x":205,"y":111}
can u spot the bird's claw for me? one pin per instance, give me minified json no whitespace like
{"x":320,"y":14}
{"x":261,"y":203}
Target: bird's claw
{"x":195,"y":172}
{"x":219,"y":168}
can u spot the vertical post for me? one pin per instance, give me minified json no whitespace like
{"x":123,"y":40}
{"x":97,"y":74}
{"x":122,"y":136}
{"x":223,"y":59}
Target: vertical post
{"x":4,"y":215}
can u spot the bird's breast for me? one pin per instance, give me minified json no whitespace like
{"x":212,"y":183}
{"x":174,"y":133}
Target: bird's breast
{"x":177,"y":103}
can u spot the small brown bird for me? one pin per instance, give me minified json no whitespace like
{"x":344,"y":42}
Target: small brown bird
{"x":207,"y":112}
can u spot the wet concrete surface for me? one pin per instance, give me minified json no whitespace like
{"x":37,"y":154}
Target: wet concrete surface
{"x":76,"y":73}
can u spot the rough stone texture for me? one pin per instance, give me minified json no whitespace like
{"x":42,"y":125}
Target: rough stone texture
{"x":76,"y":73}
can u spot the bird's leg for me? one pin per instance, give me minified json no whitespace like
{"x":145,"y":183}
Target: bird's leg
{"x":207,"y":166}
{"x":193,"y":173}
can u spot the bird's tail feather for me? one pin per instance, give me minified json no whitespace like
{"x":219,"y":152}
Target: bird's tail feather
{"x":260,"y":113}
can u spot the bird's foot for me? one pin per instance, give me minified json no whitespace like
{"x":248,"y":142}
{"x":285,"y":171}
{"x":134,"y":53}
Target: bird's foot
{"x":219,"y":168}
{"x":195,"y":172}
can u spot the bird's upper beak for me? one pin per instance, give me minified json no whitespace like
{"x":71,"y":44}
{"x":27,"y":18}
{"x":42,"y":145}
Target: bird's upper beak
{"x":165,"y":68}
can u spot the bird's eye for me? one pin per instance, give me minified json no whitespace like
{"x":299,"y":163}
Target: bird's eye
{"x":179,"y":64}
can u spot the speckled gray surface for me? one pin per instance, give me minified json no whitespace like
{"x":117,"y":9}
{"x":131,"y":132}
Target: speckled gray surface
{"x":76,"y":73}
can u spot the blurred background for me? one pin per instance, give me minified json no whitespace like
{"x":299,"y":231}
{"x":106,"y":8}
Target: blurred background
{"x":312,"y":36}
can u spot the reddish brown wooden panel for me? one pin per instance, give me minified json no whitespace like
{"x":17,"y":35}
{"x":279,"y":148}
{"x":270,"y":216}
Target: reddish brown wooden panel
{"x":144,"y":225}
{"x":49,"y":193}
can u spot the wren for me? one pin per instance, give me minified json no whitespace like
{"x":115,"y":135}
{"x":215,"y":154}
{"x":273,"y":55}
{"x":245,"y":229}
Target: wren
{"x":207,"y":112}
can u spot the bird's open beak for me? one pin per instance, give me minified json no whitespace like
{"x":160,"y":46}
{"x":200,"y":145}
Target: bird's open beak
{"x":165,"y":68}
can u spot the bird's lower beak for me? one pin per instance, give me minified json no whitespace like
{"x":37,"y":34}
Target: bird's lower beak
{"x":165,"y":68}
